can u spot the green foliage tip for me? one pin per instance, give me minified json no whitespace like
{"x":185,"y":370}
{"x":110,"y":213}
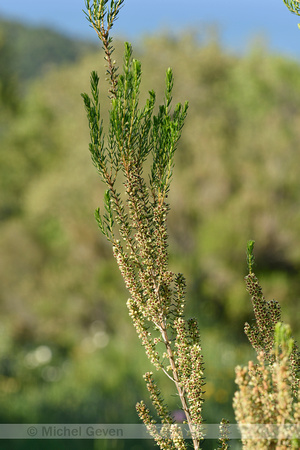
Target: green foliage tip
{"x":294,"y":7}
{"x":283,"y":339}
{"x":250,"y":256}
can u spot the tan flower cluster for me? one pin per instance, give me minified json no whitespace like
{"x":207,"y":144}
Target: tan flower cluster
{"x":265,"y":404}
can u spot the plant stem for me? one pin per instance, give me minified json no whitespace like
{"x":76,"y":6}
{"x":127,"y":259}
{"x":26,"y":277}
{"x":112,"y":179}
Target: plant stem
{"x":179,"y":388}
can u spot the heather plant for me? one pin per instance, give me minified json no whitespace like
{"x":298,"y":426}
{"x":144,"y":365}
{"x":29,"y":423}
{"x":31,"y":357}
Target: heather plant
{"x":135,"y":225}
{"x":135,"y":160}
{"x":293,"y":6}
{"x":267,"y":407}
{"x":269,"y":391}
{"x":268,"y":396}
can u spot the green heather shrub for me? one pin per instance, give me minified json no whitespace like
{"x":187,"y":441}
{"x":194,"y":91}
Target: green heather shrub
{"x":135,"y":160}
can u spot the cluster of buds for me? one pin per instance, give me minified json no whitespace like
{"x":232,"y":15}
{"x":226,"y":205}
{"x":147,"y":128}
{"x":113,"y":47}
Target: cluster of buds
{"x":265,"y":407}
{"x":267,"y":403}
{"x":262,"y":334}
{"x":267,"y":314}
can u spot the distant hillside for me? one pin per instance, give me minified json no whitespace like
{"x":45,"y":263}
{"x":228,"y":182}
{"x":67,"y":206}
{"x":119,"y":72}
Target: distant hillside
{"x":35,"y":48}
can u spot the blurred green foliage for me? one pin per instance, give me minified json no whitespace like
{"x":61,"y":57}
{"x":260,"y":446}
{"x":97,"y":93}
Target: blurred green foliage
{"x":68,"y":351}
{"x":36,"y":49}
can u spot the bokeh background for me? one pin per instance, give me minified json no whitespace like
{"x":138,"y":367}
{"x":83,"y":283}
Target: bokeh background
{"x":68,"y":352}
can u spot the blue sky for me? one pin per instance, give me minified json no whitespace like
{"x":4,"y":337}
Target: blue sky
{"x":238,"y":21}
